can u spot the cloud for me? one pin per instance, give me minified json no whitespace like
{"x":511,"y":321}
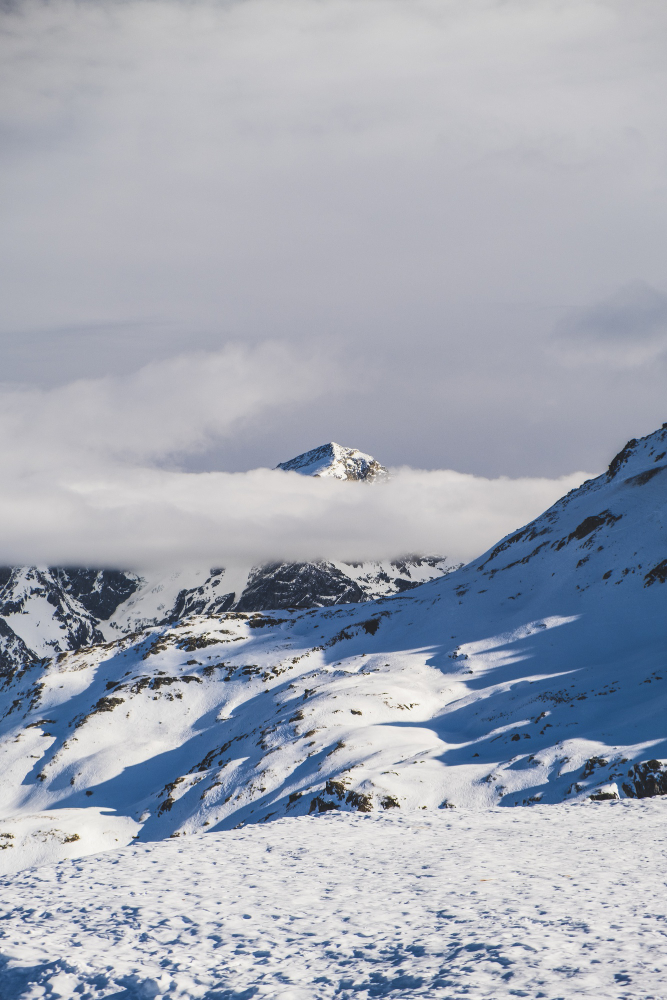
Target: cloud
{"x":143,"y":518}
{"x":163,"y":410}
{"x":627,"y":329}
{"x":84,"y":478}
{"x":427,"y":185}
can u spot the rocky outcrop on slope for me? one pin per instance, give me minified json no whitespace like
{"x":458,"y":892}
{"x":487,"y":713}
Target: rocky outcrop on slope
{"x":298,"y":585}
{"x":646,"y":779}
{"x":14,"y":654}
{"x":99,"y":591}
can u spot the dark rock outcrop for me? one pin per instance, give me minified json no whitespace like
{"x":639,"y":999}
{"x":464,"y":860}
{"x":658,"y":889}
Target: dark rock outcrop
{"x":14,"y":654}
{"x":100,"y":591}
{"x":647,"y":779}
{"x":298,"y":585}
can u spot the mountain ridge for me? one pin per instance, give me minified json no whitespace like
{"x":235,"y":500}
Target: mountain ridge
{"x":536,"y":673}
{"x":53,"y":609}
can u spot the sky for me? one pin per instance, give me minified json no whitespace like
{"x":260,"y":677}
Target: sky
{"x":233,"y":231}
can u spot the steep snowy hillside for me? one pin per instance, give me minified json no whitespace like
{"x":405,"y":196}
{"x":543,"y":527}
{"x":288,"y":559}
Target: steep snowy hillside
{"x":534,"y":674}
{"x":50,"y":610}
{"x":55,"y":609}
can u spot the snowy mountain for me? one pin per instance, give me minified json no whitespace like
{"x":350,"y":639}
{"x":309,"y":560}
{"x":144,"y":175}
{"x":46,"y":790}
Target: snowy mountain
{"x":166,"y":598}
{"x":335,"y":461}
{"x":56,"y":609}
{"x":536,"y":673}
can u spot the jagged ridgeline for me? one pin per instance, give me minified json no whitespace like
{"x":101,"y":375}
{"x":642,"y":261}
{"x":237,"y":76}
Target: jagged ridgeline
{"x":44,"y":611}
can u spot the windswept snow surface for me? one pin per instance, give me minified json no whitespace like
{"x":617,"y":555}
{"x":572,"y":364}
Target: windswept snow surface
{"x":556,"y":902}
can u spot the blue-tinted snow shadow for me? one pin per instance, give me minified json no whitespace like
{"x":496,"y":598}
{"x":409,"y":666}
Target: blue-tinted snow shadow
{"x":576,"y":674}
{"x":276,"y":802}
{"x":136,"y":786}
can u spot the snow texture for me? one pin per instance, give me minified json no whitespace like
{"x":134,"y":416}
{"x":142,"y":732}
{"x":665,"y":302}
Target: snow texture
{"x":555,"y":902}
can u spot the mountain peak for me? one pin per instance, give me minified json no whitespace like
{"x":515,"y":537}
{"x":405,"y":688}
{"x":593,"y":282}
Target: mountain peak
{"x":336,"y":461}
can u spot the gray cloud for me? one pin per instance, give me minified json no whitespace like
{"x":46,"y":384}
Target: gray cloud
{"x":83,"y":481}
{"x":419,"y":191}
{"x":167,"y":408}
{"x":626,"y":329}
{"x":134,"y":518}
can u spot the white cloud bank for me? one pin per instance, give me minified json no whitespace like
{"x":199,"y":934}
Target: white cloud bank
{"x":82,"y":483}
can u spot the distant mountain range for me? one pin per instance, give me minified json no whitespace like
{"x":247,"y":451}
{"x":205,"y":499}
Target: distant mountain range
{"x":48,"y":610}
{"x":535,"y":674}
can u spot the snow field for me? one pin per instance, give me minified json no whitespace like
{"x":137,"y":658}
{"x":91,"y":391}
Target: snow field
{"x":563,"y":901}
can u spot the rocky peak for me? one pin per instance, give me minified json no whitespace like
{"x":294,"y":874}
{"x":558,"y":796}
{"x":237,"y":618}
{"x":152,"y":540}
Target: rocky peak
{"x":336,"y":461}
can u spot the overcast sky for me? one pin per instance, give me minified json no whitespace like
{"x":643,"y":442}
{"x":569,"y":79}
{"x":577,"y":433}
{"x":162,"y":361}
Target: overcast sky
{"x":437,"y":227}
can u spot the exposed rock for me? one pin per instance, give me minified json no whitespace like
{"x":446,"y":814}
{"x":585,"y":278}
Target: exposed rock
{"x":647,"y":779}
{"x":14,"y":654}
{"x":100,"y":591}
{"x":298,"y":585}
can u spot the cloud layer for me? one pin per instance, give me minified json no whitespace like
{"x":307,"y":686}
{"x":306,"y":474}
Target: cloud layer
{"x":85,"y":481}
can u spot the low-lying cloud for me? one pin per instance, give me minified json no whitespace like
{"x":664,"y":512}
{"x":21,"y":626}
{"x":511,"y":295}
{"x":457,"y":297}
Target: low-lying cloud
{"x":85,"y":482}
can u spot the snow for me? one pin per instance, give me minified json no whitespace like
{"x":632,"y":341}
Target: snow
{"x":554,"y":902}
{"x":156,"y":596}
{"x":335,"y":461}
{"x":42,"y":615}
{"x":283,"y":783}
{"x":64,"y":833}
{"x":37,"y":625}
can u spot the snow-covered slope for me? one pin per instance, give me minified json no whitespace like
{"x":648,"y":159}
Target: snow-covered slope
{"x":552,"y":902}
{"x":536,"y":673}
